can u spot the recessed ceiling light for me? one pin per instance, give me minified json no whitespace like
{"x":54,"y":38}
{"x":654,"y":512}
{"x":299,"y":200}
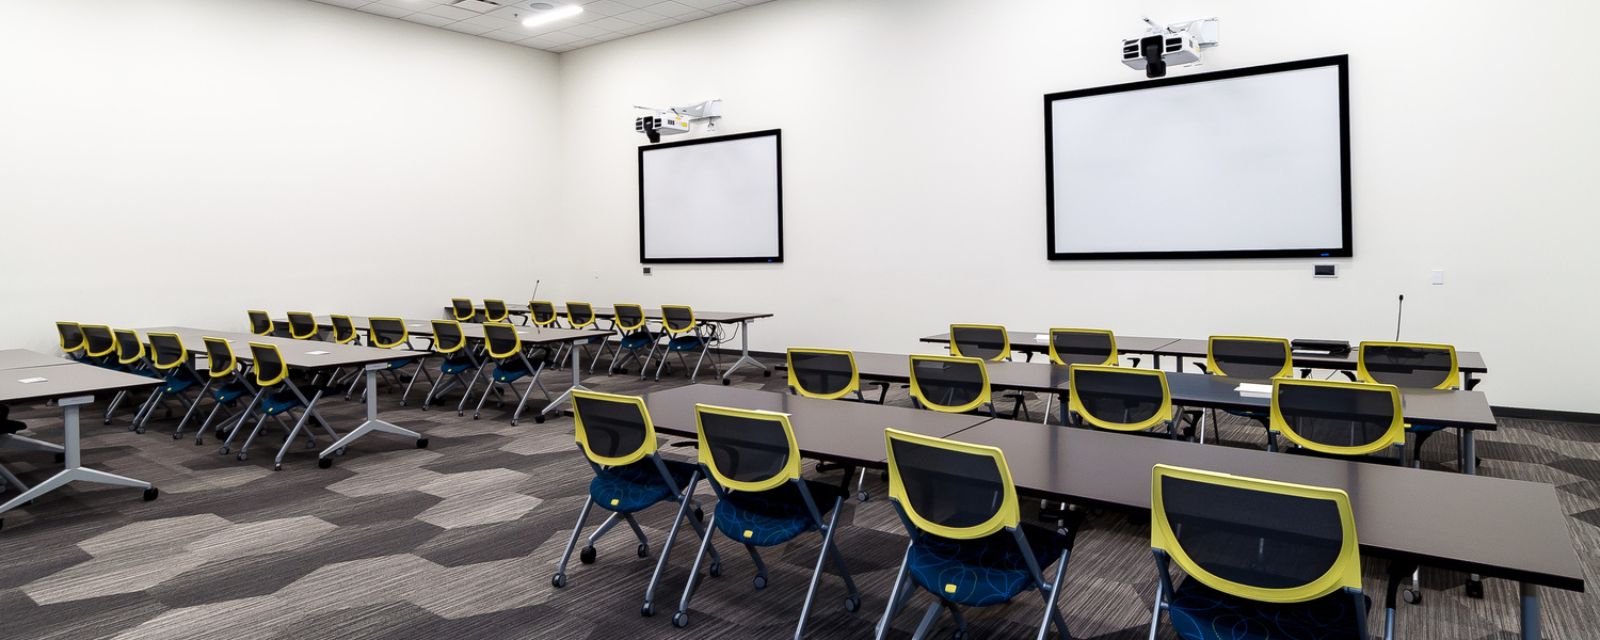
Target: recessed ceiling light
{"x":552,"y":15}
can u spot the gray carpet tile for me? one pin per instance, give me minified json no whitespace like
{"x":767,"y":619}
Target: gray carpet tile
{"x":460,"y":540}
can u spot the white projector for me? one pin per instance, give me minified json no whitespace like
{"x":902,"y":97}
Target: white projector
{"x":1171,"y":48}
{"x":662,"y":123}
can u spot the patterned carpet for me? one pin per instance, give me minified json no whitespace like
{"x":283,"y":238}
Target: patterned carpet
{"x":459,"y":540}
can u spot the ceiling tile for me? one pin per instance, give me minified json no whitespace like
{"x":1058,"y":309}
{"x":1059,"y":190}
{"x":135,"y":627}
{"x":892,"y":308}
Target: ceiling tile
{"x":640,"y":16}
{"x":638,"y":3}
{"x":491,"y":22}
{"x":612,"y":24}
{"x":585,"y":30}
{"x":606,"y":7}
{"x":476,"y":6}
{"x":428,"y":19}
{"x":348,"y":4}
{"x":414,"y":5}
{"x":385,"y":10}
{"x":445,"y":11}
{"x":463,"y":27}
{"x":724,"y":7}
{"x":560,"y":37}
{"x":701,"y":4}
{"x":669,"y":8}
{"x":636,"y":29}
{"x":507,"y":35}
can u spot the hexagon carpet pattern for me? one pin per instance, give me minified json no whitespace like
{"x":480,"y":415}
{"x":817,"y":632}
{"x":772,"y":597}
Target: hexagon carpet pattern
{"x":459,"y":540}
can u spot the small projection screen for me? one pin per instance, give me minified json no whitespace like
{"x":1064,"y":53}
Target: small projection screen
{"x":1243,"y":163}
{"x":712,"y":199}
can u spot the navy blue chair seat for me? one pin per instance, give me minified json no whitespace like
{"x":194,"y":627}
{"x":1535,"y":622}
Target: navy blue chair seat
{"x":455,"y":364}
{"x":686,"y":343}
{"x":179,"y":381}
{"x":986,"y":571}
{"x":1199,"y":612}
{"x":229,"y":392}
{"x":773,"y":517}
{"x":281,"y":401}
{"x":637,"y":340}
{"x":510,"y":370}
{"x":637,"y":486}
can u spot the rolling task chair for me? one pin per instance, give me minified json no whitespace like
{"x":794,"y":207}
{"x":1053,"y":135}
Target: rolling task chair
{"x":390,"y":333}
{"x":303,"y":326}
{"x":130,"y":358}
{"x":684,"y":334}
{"x":543,"y":313}
{"x":1264,"y":559}
{"x":969,"y":547}
{"x":494,"y":310}
{"x":1410,"y":365}
{"x":225,"y":383}
{"x":616,"y":436}
{"x":950,"y":384}
{"x":458,"y":360}
{"x":170,"y":361}
{"x":633,"y":336}
{"x":991,"y":343}
{"x":504,"y":349}
{"x":461,"y":309}
{"x":1339,"y":419}
{"x":276,"y":398}
{"x":99,"y":346}
{"x":830,"y":374}
{"x":260,"y":322}
{"x":1246,"y":357}
{"x":1080,"y":346}
{"x":580,"y":315}
{"x":1120,"y":399}
{"x":762,"y":501}
{"x":70,"y":336}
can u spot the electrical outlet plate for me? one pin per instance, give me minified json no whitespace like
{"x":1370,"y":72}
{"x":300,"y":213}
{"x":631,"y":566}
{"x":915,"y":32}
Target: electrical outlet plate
{"x":1324,"y":271}
{"x":647,"y":270}
{"x":1438,"y":276}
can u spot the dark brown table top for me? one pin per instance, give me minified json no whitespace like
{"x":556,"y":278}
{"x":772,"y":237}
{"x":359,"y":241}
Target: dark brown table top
{"x":71,"y":379}
{"x":1031,"y":342}
{"x":298,"y":354}
{"x":1467,"y":361}
{"x":826,"y":429}
{"x":722,"y":317}
{"x":1504,"y":528}
{"x":474,"y":331}
{"x":1457,"y":409}
{"x":24,"y":359}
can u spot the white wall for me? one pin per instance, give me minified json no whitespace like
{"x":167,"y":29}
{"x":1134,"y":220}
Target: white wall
{"x":180,"y":161}
{"x":914,"y":187}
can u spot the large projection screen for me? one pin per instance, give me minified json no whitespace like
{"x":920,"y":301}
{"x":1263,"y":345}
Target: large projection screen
{"x":1244,"y":163}
{"x":712,"y":199}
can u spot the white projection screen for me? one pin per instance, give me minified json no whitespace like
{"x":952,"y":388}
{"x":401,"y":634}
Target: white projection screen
{"x":712,"y":199}
{"x":1244,"y":163}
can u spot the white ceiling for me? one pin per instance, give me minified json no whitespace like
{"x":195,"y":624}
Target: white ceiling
{"x":600,"y":21}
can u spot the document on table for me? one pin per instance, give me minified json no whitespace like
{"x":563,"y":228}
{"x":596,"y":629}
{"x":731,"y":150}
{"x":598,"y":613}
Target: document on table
{"x":1251,"y":390}
{"x":32,"y":380}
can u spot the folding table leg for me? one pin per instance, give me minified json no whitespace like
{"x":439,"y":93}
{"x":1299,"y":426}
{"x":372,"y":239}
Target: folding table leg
{"x":372,"y":424}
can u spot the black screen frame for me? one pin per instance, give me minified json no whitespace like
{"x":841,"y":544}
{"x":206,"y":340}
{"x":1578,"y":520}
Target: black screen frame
{"x":777,"y":135}
{"x":1346,"y":250}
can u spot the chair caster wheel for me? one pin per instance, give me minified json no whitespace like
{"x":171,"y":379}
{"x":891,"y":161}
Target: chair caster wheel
{"x":647,"y":610}
{"x":643,"y":550}
{"x":766,"y":373}
{"x":177,"y":436}
{"x":474,"y":416}
{"x":1475,"y":589}
{"x":324,"y":463}
{"x":680,"y":620}
{"x":558,"y":580}
{"x":60,"y":458}
{"x":139,"y":431}
{"x":422,"y":443}
{"x":513,"y":423}
{"x":716,"y":569}
{"x":539,"y":419}
{"x":223,"y":451}
{"x":852,"y":604}
{"x":1411,"y":596}
{"x":862,"y":496}
{"x":277,"y":467}
{"x":760,"y":582}
{"x":151,"y":494}
{"x":587,"y":555}
{"x":242,"y":456}
{"x":726,"y":382}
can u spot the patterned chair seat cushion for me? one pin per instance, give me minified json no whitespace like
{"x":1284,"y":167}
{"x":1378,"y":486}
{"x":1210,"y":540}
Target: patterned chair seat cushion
{"x":686,"y":343}
{"x":1199,"y":612}
{"x":773,"y":517}
{"x":637,"y":486}
{"x":229,"y":392}
{"x":510,"y":371}
{"x":982,"y":572}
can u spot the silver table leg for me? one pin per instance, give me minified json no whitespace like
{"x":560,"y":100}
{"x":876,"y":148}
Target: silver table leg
{"x":372,"y":424}
{"x":744,"y":354}
{"x":74,"y":471}
{"x":577,"y":384}
{"x":1469,"y":452}
{"x":1530,"y":611}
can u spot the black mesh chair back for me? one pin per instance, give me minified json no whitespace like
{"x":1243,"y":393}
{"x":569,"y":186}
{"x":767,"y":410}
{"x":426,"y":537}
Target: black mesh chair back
{"x":1254,"y":533}
{"x":386,"y":333}
{"x":981,"y":341}
{"x":462,"y":309}
{"x":70,"y":335}
{"x":677,"y":318}
{"x":501,"y":339}
{"x":447,"y":337}
{"x":950,"y":384}
{"x":219,"y":357}
{"x":166,"y":351}
{"x":302,"y":325}
{"x":1409,"y":365}
{"x":580,"y":314}
{"x":1083,"y":346}
{"x":1119,"y":398}
{"x":543,"y":312}
{"x":1349,"y":418}
{"x":1248,"y":357}
{"x":344,"y":329}
{"x":612,"y":432}
{"x":98,"y":340}
{"x":130,"y":349}
{"x":822,"y":373}
{"x":260,"y":322}
{"x":747,"y":450}
{"x":948,"y":487}
{"x":495,"y":310}
{"x":270,"y":369}
{"x":630,"y":317}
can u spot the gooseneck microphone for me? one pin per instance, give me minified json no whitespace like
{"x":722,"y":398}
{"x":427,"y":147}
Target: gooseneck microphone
{"x":1399,"y":311}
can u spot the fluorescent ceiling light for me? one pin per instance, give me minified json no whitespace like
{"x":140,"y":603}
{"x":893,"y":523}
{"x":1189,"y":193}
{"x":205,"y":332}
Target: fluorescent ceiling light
{"x":543,"y":17}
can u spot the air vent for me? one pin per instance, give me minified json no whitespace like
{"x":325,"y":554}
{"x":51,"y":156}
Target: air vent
{"x":476,"y":6}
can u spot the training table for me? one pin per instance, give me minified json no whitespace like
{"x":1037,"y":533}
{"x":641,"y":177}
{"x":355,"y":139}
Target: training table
{"x":23,"y":359}
{"x":71,"y":385}
{"x":1491,"y":526}
{"x":311,"y":355}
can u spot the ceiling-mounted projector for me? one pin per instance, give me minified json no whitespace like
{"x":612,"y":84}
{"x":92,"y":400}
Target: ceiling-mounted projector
{"x":675,"y":120}
{"x":1178,"y":44}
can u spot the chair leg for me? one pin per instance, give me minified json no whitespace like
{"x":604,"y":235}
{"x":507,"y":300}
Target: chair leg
{"x":178,"y":433}
{"x":649,"y":606}
{"x":681,"y":618}
{"x":1155,"y":611}
{"x":927,"y":622}
{"x":897,"y":597}
{"x":560,"y":579}
{"x":1051,"y":616}
{"x":853,"y":602}
{"x":421,"y":367}
{"x":861,"y":483}
{"x":461,"y":407}
{"x":644,"y":542}
{"x":479,"y":411}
